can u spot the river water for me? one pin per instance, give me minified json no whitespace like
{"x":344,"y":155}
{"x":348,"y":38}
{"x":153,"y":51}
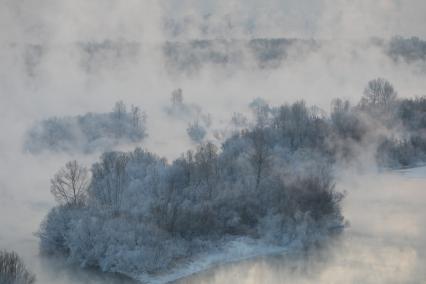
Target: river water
{"x":385,"y":242}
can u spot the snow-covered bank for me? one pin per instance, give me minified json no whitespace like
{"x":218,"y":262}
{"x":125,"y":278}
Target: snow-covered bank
{"x":233,"y":252}
{"x":418,"y":172}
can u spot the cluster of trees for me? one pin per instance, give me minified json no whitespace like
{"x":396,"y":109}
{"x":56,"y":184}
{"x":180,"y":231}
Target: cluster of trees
{"x":13,"y":269}
{"x":196,"y":132}
{"x":89,"y":132}
{"x":190,"y":56}
{"x":142,"y":214}
{"x":408,"y":49}
{"x":408,"y":146}
{"x":396,"y":125}
{"x":271,"y":182}
{"x":269,"y":53}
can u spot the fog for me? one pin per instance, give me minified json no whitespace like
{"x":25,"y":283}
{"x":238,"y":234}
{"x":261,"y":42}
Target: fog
{"x":44,"y":72}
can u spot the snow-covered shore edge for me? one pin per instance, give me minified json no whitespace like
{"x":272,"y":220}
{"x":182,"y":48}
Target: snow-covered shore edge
{"x":235,"y":251}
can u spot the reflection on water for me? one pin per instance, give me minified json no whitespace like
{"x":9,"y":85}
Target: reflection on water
{"x":56,"y":270}
{"x":385,"y":243}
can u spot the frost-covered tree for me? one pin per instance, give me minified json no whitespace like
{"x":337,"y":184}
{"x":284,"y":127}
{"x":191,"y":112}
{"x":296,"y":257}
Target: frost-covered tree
{"x":119,"y":110}
{"x":260,"y":154}
{"x":261,"y":111}
{"x":379,"y":93}
{"x":345,"y":121}
{"x":239,"y":120}
{"x":13,"y":269}
{"x":196,"y":132}
{"x":70,"y":184}
{"x":89,"y":132}
{"x":109,"y":181}
{"x":138,"y":117}
{"x":408,"y":49}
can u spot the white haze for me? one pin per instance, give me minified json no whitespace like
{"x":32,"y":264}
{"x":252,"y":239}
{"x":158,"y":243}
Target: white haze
{"x":58,"y":85}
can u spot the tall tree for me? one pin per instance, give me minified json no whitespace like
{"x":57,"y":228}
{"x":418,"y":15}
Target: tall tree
{"x":177,"y":98}
{"x":119,"y":110}
{"x":260,"y":155}
{"x":110,"y":180}
{"x":69,"y":185}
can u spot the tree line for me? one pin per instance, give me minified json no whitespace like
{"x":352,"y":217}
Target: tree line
{"x":87,"y":133}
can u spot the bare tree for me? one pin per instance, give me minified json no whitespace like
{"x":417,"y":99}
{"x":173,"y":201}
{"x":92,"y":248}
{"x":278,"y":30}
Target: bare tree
{"x":177,"y":98}
{"x":206,"y":160}
{"x":110,"y":180}
{"x":137,"y":116}
{"x":13,"y":270}
{"x":69,"y":185}
{"x":260,"y":157}
{"x":119,"y":110}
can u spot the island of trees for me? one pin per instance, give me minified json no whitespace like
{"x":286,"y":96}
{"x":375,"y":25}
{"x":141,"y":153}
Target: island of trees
{"x":270,"y":184}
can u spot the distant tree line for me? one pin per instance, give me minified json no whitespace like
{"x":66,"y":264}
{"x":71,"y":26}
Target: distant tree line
{"x":187,"y":57}
{"x":89,"y":132}
{"x":266,"y":53}
{"x":408,"y":49}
